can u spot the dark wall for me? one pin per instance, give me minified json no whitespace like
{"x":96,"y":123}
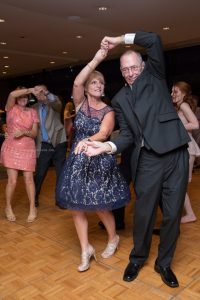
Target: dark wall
{"x":181,"y":64}
{"x":184,"y":64}
{"x":4,"y":91}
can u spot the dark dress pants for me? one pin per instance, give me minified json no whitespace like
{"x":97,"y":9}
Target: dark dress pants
{"x":159,"y":178}
{"x":48,"y":155}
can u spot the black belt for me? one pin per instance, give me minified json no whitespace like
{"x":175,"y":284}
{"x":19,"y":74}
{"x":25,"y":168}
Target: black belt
{"x":47,"y":143}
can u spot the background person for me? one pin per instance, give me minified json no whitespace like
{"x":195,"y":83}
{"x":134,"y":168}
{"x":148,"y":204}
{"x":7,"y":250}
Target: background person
{"x":18,"y":151}
{"x":196,"y":133}
{"x":69,"y":115}
{"x":51,"y":138}
{"x":185,"y":105}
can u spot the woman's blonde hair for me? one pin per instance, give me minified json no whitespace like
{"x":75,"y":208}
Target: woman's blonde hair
{"x":95,"y":74}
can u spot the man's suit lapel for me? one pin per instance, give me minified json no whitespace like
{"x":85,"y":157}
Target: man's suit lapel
{"x":130,"y":98}
{"x":131,"y":109}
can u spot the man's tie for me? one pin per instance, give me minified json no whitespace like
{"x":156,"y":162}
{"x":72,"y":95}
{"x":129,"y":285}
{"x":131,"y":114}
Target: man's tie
{"x":45,"y":136}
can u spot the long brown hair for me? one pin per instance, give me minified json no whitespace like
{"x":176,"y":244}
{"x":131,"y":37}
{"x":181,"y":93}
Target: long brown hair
{"x":186,"y":89}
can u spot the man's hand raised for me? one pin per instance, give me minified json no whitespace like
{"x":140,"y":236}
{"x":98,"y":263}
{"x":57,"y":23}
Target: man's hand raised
{"x":109,"y":43}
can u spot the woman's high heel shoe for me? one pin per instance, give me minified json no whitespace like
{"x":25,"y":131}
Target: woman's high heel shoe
{"x":10,"y":215}
{"x":32,"y":216}
{"x":111,"y":247}
{"x":85,"y":259}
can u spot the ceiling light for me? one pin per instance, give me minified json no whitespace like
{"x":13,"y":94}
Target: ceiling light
{"x":5,"y":57}
{"x":102,"y":8}
{"x":52,"y":62}
{"x":64,"y":52}
{"x":7,"y":67}
{"x":79,"y":36}
{"x":166,"y":28}
{"x":4,"y":72}
{"x":74,"y":18}
{"x":3,"y":43}
{"x":2,"y":20}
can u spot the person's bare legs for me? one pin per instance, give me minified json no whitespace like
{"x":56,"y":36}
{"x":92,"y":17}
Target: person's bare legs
{"x":30,"y":189}
{"x":87,"y":251}
{"x":10,"y":189}
{"x":190,"y":215}
{"x":81,"y":224}
{"x":108,"y":220}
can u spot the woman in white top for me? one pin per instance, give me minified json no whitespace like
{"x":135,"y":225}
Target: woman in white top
{"x":184,"y":102}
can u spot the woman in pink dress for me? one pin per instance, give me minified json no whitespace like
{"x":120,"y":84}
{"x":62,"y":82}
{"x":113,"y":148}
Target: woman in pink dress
{"x":185,"y":104}
{"x":18,"y":151}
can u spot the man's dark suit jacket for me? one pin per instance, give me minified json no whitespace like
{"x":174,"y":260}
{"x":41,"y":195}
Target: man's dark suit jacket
{"x":147,"y":112}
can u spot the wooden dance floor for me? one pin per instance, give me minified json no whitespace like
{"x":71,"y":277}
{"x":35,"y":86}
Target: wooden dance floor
{"x":39,"y":261}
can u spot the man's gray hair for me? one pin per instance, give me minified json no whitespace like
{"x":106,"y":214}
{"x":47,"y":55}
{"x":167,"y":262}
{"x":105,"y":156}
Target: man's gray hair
{"x":128,"y":52}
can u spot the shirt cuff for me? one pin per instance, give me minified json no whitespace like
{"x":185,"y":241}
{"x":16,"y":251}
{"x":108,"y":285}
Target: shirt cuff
{"x":129,"y":38}
{"x":113,"y":147}
{"x":51,"y":97}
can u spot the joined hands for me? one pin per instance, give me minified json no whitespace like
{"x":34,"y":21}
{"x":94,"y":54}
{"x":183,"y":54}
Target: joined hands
{"x":109,"y":43}
{"x":92,"y":148}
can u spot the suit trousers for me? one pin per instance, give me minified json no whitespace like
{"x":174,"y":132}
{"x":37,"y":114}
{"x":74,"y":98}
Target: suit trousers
{"x":159,"y":178}
{"x":48,"y":154}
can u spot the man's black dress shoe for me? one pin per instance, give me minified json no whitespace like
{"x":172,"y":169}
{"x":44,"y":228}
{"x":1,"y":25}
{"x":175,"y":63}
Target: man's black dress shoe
{"x":156,"y":231}
{"x":167,"y":275}
{"x":118,"y":226}
{"x":131,"y":272}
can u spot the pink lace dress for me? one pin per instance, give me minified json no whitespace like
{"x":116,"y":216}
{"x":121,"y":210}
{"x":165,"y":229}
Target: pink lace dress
{"x":19,"y":153}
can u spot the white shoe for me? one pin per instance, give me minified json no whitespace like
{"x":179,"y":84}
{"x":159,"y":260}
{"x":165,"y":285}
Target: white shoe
{"x":111,"y":247}
{"x":32,"y":216}
{"x":85,"y":259}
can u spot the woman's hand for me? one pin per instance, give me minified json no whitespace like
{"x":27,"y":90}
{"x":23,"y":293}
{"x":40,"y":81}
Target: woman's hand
{"x":37,"y":90}
{"x":100,"y":55}
{"x":81,"y":147}
{"x":18,"y":133}
{"x":96,"y":148}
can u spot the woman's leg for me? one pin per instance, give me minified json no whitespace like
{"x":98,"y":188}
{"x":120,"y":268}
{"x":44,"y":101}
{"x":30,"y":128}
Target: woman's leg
{"x":190,"y":215}
{"x":10,"y":188}
{"x":30,"y":189}
{"x":81,"y":224}
{"x":108,"y":220}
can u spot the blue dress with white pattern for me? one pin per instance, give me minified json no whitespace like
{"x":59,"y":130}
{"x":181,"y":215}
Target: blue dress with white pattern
{"x":90,"y":183}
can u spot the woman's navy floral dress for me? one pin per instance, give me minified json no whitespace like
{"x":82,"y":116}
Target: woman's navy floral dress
{"x":90,"y":183}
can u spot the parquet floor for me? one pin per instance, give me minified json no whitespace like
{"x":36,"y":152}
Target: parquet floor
{"x":38,"y":261}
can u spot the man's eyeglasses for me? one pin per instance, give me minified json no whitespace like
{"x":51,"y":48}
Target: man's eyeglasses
{"x":132,"y":69}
